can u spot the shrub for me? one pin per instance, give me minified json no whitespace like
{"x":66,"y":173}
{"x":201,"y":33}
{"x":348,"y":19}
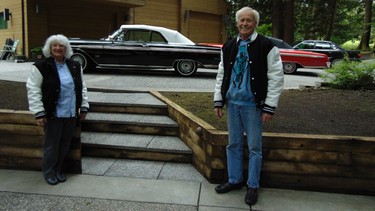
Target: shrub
{"x":351,"y":75}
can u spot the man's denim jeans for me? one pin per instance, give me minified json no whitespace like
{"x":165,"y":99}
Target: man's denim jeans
{"x":244,"y":119}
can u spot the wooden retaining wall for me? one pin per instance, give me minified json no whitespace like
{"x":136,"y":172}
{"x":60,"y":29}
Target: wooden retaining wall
{"x":21,"y":143}
{"x":343,"y":164}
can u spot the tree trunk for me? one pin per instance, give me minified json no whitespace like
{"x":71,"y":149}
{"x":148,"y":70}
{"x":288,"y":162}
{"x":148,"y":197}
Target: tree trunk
{"x":365,"y":40}
{"x":277,"y":19}
{"x":289,"y":21}
{"x":310,"y":28}
{"x":333,"y":6}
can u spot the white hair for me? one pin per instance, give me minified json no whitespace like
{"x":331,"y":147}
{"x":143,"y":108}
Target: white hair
{"x":248,"y":10}
{"x":59,"y":39}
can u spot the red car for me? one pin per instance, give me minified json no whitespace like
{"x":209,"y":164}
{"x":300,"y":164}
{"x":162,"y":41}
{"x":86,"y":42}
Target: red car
{"x":294,"y":59}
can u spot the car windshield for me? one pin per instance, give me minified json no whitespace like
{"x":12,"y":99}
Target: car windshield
{"x":304,"y":45}
{"x":280,"y":43}
{"x":138,"y":36}
{"x":323,"y":45}
{"x":114,"y":34}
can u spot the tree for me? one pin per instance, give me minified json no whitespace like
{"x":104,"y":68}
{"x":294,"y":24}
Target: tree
{"x":295,"y":20}
{"x":277,"y":18}
{"x":331,"y":4}
{"x":288,"y":34}
{"x":365,"y":39}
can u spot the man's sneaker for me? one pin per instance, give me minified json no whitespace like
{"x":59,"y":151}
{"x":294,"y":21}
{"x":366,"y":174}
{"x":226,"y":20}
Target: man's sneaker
{"x":251,"y":196}
{"x":224,"y":188}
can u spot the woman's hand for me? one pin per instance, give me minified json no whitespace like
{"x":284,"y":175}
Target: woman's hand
{"x":41,"y":122}
{"x":82,"y":116}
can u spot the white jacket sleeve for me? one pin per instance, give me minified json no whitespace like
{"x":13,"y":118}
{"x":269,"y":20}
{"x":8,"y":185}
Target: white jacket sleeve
{"x":85,"y":102}
{"x":275,"y":76}
{"x":219,"y":81}
{"x":34,"y":92}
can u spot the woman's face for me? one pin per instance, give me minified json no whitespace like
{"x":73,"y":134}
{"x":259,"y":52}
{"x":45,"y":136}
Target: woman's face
{"x":58,"y":51}
{"x":246,"y":24}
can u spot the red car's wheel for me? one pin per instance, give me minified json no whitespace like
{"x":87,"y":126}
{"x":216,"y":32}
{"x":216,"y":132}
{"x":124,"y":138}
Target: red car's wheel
{"x":289,"y":67}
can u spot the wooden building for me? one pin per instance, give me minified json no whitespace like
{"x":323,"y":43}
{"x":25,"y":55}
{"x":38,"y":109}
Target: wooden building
{"x":32,"y":21}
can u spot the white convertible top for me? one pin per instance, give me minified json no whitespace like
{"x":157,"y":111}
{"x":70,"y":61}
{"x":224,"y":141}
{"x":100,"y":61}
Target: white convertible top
{"x":172,"y":36}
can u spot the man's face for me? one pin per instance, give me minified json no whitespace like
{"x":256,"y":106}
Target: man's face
{"x":246,"y":24}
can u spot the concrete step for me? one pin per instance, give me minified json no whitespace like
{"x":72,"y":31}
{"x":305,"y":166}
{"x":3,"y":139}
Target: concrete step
{"x":131,"y":135}
{"x":136,"y":103}
{"x":130,"y":123}
{"x":135,"y":146}
{"x":140,"y":169}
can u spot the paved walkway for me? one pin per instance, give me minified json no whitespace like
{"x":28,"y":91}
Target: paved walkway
{"x":26,"y":190}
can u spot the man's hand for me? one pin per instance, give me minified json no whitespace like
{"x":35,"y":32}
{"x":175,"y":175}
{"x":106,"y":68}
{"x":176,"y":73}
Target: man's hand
{"x":218,"y":112}
{"x":266,"y":117}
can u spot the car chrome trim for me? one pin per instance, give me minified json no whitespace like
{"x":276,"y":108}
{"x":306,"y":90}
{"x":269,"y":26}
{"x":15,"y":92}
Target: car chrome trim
{"x":301,"y":55}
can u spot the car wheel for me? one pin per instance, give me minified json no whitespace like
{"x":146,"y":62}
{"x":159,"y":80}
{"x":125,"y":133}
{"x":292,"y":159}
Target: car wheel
{"x":186,"y":67}
{"x":80,"y":58}
{"x":335,"y":62}
{"x":289,"y":67}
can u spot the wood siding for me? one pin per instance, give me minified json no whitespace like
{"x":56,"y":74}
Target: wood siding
{"x":94,"y":20}
{"x":200,"y":21}
{"x":159,"y":13}
{"x":14,"y":30}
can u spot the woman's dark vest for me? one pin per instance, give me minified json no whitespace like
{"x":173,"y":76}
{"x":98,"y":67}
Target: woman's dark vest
{"x":51,"y":84}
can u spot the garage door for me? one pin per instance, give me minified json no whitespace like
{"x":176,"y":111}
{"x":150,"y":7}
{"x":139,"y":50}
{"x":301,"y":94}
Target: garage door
{"x":205,"y":27}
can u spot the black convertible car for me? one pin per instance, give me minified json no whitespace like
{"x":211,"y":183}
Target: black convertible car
{"x":143,"y":46}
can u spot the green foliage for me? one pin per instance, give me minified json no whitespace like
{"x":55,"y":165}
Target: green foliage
{"x":350,"y":45}
{"x":351,"y":75}
{"x":265,"y":29}
{"x":37,"y":50}
{"x":311,"y":18}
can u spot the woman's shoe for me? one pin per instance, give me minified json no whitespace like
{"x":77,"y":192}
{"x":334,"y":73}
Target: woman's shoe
{"x":52,"y":181}
{"x":61,"y":177}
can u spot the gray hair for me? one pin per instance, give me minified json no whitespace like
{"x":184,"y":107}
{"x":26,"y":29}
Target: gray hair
{"x":248,"y":10}
{"x":60,"y":39}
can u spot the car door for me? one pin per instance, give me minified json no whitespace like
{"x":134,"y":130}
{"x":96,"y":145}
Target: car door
{"x":328,"y":49}
{"x":161,"y":54}
{"x":128,"y":48}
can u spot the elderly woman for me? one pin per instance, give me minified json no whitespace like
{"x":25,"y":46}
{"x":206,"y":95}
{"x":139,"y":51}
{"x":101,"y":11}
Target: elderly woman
{"x":57,"y":96}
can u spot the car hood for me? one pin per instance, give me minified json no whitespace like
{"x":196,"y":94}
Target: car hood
{"x":218,"y":45}
{"x":292,"y":52}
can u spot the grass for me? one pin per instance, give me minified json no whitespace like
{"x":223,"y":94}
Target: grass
{"x":200,"y":104}
{"x":353,"y":44}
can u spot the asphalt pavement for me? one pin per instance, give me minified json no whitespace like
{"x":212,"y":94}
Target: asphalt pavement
{"x":160,"y":80}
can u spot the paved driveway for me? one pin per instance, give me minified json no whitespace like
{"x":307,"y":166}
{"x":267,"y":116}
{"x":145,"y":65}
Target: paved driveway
{"x":161,"y":80}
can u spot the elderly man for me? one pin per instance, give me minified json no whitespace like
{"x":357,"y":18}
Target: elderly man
{"x":249,"y":81}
